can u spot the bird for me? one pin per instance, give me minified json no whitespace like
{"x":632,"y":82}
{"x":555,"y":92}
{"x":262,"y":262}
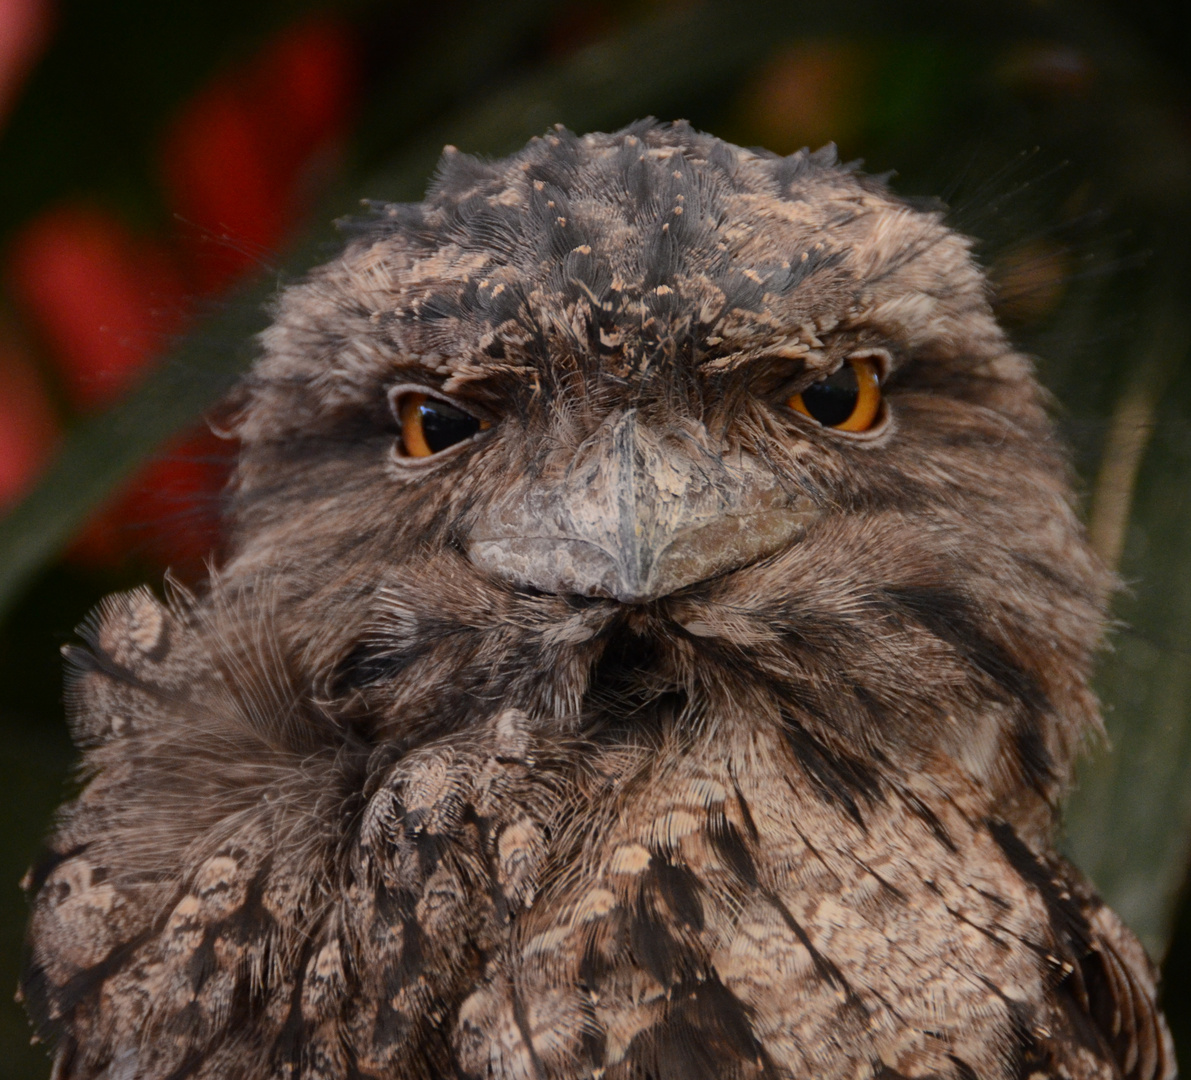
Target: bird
{"x":652,"y":643}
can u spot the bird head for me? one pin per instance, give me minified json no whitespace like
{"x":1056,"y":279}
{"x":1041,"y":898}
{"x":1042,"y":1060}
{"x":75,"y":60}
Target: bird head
{"x":646,"y":416}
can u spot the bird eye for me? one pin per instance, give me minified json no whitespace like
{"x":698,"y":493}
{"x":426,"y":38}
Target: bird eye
{"x":429,"y":426}
{"x":847,"y":400}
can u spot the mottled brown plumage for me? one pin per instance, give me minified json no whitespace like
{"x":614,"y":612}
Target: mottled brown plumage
{"x":654,"y":731}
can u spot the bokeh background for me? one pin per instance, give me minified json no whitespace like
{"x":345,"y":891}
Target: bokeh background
{"x":164,"y":166}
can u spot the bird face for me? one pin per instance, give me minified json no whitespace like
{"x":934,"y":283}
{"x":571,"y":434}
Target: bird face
{"x":637,"y":415}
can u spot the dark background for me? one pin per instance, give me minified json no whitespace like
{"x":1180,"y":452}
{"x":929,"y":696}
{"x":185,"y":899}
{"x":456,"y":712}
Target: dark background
{"x":164,"y":165}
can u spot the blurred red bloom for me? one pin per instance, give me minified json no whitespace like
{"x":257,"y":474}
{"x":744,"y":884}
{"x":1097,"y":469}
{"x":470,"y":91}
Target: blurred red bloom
{"x":241,"y":164}
{"x":238,"y":161}
{"x":25,"y":27}
{"x":101,"y":297}
{"x":168,"y":514}
{"x":29,"y":428}
{"x":173,"y":507}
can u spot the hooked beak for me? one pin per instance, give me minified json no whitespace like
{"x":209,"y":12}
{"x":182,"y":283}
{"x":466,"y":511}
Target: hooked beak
{"x":634,"y":517}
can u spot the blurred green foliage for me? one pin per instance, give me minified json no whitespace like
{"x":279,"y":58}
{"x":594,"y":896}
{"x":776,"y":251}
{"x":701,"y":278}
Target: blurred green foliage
{"x":1058,"y":133}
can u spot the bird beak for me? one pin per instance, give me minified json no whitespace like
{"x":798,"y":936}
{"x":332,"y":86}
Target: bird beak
{"x":635,"y":516}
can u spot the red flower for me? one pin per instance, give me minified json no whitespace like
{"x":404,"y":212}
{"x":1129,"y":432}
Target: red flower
{"x":237,"y":161}
{"x":241,"y":165}
{"x":25,"y":27}
{"x":103,"y":299}
{"x":168,"y":514}
{"x":29,"y":429}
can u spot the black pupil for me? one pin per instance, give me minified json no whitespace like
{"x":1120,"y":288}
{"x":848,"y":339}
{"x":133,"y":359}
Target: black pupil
{"x":833,"y":399}
{"x":443,"y":425}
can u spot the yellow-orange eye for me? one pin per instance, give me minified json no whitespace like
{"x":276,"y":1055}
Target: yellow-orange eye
{"x":429,"y":426}
{"x":847,"y":400}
